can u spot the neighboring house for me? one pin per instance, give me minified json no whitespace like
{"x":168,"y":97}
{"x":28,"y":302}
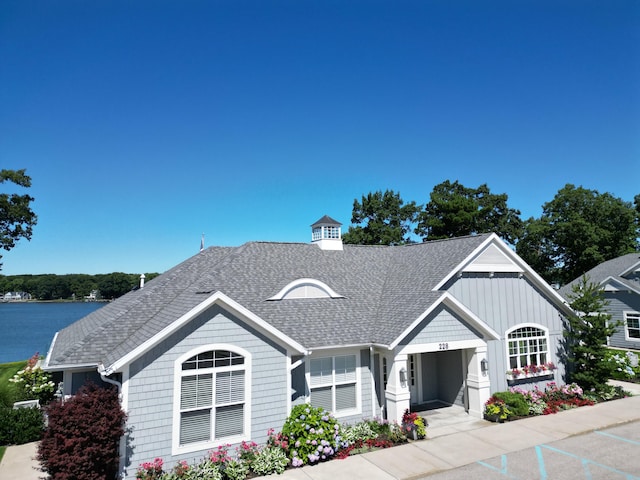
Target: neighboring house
{"x":16,"y":296}
{"x":92,"y":297}
{"x":218,"y":349}
{"x":620,"y":280}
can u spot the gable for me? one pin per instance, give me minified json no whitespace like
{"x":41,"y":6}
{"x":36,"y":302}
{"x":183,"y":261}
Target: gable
{"x":612,"y":285}
{"x":226,"y":303}
{"x":442,"y":325}
{"x":465,"y":323}
{"x":492,"y":259}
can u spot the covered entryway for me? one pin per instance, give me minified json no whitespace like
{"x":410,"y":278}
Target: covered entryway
{"x":437,"y":379}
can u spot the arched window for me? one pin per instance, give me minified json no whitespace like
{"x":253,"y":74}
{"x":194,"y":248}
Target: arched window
{"x":213,"y":397}
{"x":528,"y":345}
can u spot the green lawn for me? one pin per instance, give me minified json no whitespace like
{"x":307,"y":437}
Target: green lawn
{"x":2,"y":449}
{"x":7,"y":389}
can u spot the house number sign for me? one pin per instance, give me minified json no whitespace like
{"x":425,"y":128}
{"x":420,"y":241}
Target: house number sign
{"x":443,"y":346}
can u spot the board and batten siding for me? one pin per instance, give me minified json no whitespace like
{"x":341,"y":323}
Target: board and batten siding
{"x":620,"y":302}
{"x":504,"y":301}
{"x":151,"y":385}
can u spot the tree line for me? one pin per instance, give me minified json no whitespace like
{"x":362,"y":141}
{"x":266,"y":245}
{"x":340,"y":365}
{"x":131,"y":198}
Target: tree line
{"x":73,"y":286}
{"x":578,"y":229}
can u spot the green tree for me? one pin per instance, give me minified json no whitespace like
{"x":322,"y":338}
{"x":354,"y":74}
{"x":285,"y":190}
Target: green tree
{"x":586,"y":335}
{"x":381,"y":219}
{"x":113,"y":285}
{"x":578,"y":230}
{"x":16,"y":217}
{"x":455,"y":210}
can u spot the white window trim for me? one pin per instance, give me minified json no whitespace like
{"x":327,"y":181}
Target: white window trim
{"x":176,"y":448}
{"x":337,"y":353}
{"x":625,"y":314}
{"x":327,"y":292}
{"x":523,"y":325}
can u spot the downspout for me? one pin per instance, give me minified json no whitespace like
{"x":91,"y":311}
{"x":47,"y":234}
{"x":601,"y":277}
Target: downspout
{"x":123,"y":439}
{"x":373,"y":381}
{"x":103,"y":376}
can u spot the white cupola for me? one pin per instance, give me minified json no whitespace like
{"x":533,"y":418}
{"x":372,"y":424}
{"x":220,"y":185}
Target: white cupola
{"x":326,"y":233}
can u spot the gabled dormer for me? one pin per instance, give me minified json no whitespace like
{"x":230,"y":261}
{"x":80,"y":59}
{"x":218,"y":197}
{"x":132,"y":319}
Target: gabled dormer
{"x":326,"y":233}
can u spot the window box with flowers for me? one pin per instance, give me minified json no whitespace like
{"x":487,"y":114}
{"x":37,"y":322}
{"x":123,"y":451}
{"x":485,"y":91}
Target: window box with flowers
{"x":531,"y":371}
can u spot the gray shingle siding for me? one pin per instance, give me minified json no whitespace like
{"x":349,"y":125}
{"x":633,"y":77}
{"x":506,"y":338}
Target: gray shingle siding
{"x":441,"y":326}
{"x":151,"y":384}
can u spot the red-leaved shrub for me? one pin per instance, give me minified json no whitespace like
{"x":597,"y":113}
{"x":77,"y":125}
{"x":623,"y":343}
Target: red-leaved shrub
{"x":83,"y":436}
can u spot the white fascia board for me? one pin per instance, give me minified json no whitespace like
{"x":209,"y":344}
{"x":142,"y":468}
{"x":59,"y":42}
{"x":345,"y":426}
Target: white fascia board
{"x":217,"y":298}
{"x":633,"y":268}
{"x":72,"y":367}
{"x":344,"y":346}
{"x":513,"y":256}
{"x":48,"y":357}
{"x":623,"y":285}
{"x":449,"y":301}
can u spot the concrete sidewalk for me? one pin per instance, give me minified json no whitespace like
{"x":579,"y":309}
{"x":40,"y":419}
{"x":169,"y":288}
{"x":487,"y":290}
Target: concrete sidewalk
{"x":445,"y":448}
{"x":19,"y":463}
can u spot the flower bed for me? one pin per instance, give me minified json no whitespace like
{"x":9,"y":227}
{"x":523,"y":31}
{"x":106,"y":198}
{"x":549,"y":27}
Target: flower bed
{"x":309,"y":436}
{"x":519,"y":403}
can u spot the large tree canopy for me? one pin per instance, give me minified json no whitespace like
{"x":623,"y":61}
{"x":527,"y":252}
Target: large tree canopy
{"x":578,"y":229}
{"x":16,"y":217}
{"x":455,"y":210}
{"x":381,"y":219}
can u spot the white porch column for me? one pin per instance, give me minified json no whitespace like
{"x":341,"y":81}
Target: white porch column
{"x":397,"y":393}
{"x":478,"y":383}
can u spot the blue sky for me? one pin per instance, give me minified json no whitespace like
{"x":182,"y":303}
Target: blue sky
{"x":145,"y":124}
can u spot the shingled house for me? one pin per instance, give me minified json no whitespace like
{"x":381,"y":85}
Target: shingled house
{"x":219,"y":348}
{"x":620,"y":282}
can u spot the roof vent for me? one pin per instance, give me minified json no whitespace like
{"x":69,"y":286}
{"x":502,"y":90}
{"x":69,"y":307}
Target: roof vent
{"x":326,"y":233}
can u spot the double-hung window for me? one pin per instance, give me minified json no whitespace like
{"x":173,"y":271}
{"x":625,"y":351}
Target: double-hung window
{"x":528,"y":345}
{"x":333,"y":383}
{"x":632,"y":325}
{"x":212,"y":400}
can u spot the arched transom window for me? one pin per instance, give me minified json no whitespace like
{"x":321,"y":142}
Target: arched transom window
{"x":527,"y":346}
{"x":212,"y":397}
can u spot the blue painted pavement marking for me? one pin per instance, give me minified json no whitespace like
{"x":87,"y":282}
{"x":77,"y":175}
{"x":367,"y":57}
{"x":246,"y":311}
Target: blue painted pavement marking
{"x":541,"y":467}
{"x":586,"y":463}
{"x":503,"y":470}
{"x":617,"y":437}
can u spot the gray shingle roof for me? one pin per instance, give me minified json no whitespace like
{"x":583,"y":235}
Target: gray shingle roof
{"x":384,"y":288}
{"x":611,"y":268}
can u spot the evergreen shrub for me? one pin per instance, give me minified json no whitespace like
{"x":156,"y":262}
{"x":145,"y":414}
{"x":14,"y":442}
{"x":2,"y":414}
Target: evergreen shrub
{"x":516,"y":403}
{"x":22,"y":425}
{"x":82,"y":439}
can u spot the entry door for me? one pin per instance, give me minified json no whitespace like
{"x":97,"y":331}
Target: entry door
{"x":413,"y":374}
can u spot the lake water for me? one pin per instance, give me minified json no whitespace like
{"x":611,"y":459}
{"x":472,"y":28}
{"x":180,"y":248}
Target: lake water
{"x":27,"y":328}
